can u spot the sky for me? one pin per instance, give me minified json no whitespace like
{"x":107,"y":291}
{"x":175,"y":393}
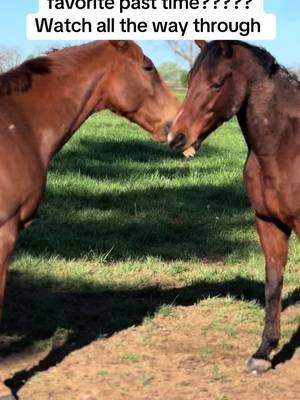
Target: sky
{"x":285,"y":48}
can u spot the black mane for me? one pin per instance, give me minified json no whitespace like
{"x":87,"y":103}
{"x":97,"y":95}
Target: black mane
{"x":19,"y":79}
{"x":210,"y":56}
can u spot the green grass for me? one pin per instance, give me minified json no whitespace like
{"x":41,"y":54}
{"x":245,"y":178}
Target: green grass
{"x":217,"y":375}
{"x":167,"y":310}
{"x":128,"y":226}
{"x":134,"y":358}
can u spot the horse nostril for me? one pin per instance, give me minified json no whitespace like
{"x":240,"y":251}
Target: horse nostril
{"x":179,"y":141}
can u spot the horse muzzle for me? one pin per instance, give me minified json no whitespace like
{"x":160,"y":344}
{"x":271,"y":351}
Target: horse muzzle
{"x":178,"y":142}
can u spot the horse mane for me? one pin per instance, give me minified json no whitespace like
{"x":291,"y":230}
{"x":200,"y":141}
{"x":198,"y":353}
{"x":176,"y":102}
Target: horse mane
{"x":53,"y":50}
{"x":19,"y":79}
{"x":212,"y":52}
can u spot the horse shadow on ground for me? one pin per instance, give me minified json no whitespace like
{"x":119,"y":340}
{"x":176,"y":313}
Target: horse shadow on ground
{"x":170,"y":223}
{"x":164,"y":223}
{"x":288,"y":350}
{"x":114,"y":159}
{"x":89,"y":316}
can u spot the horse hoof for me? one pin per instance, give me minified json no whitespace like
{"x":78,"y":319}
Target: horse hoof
{"x":257,"y":366}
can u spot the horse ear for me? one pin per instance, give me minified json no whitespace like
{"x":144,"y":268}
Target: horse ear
{"x":119,"y":44}
{"x":226,"y":48}
{"x":201,"y":43}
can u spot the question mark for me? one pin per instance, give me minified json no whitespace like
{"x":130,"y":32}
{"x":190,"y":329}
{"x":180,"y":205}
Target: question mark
{"x":204,"y":3}
{"x":236,"y":3}
{"x":216,"y":2}
{"x":247,"y":3}
{"x":226,"y":2}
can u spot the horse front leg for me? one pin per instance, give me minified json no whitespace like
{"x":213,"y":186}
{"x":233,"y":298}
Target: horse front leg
{"x":8,"y":236}
{"x":274,"y":240}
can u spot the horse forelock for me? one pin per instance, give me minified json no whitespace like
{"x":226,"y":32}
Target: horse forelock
{"x":209,"y":57}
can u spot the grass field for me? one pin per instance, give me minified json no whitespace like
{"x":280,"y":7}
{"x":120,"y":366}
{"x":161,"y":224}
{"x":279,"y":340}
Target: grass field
{"x":129,"y":230}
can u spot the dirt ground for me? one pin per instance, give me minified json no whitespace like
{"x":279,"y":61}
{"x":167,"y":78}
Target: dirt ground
{"x":196,"y":354}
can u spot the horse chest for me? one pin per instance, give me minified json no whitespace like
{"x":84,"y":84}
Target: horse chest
{"x":20,"y":165}
{"x":270,"y":195}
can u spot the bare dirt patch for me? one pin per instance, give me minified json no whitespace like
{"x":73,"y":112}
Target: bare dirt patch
{"x":184,"y":353}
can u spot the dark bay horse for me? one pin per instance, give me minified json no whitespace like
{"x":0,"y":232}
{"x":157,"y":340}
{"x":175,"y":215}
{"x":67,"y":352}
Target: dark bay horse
{"x":45,"y":100}
{"x":234,"y":78}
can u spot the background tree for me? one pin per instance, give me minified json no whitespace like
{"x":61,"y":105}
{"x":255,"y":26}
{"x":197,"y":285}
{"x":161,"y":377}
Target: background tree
{"x":185,"y":49}
{"x":297,"y":73}
{"x":170,"y":71}
{"x":9,"y":58}
{"x":184,"y":78}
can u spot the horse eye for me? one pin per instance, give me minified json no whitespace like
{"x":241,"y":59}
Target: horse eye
{"x":216,"y":85}
{"x":149,"y":68}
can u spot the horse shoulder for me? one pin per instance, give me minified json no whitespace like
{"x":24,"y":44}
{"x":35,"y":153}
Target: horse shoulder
{"x":262,"y":198}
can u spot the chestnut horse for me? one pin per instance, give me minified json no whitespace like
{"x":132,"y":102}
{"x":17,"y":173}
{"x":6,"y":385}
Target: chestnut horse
{"x":235,"y":78}
{"x":45,"y":100}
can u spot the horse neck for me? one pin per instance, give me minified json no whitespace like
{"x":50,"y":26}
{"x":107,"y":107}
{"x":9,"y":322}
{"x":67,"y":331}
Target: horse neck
{"x":63,"y":101}
{"x":269,"y":100}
